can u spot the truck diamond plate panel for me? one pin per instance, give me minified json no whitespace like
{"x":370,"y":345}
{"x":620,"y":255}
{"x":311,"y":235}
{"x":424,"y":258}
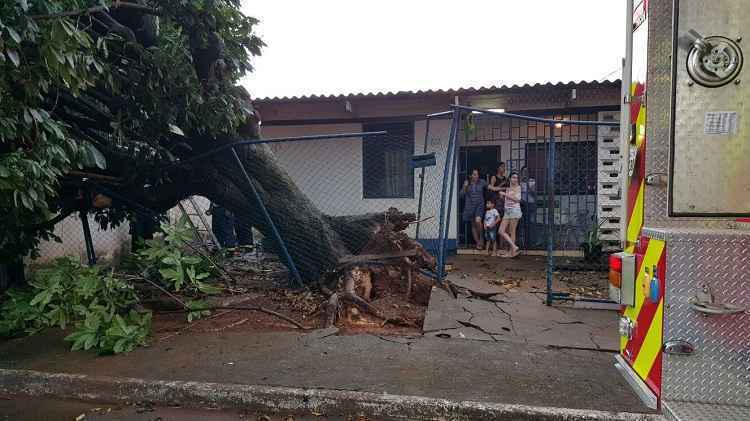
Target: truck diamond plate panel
{"x":658,"y":121}
{"x":719,"y":370}
{"x":710,"y":161}
{"x":691,"y":411}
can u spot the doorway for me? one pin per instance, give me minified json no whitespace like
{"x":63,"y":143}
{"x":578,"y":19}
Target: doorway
{"x":482,"y":158}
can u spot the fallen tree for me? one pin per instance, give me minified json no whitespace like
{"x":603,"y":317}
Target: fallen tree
{"x":116,"y":98}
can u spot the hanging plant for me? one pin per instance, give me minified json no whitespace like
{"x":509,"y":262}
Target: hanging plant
{"x":470,"y":127}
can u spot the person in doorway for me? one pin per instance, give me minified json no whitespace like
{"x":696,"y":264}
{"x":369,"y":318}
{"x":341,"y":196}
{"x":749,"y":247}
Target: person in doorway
{"x":512,"y":214}
{"x":491,"y":219}
{"x":498,"y":183}
{"x":473,"y":193}
{"x":528,"y":207}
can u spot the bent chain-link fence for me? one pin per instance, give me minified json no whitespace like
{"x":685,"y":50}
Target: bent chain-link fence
{"x":347,"y":181}
{"x":300,"y":198}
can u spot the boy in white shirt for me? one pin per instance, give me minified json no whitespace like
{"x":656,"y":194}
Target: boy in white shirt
{"x":491,"y":218}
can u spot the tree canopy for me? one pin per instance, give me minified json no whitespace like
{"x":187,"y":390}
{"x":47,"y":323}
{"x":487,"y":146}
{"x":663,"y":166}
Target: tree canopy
{"x":120,"y":89}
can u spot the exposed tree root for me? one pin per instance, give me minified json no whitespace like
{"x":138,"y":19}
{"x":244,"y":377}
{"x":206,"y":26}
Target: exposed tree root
{"x":388,"y":263}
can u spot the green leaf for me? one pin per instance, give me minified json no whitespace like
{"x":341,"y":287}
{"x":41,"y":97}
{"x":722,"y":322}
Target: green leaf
{"x":93,"y":157}
{"x":90,"y":341}
{"x":24,"y":5}
{"x":120,"y":345}
{"x":78,"y":338}
{"x":13,"y":56}
{"x":4,"y":171}
{"x":13,"y":34}
{"x":169,"y":274}
{"x":37,"y":117}
{"x":120,"y":322}
{"x":42,"y":298}
{"x":176,"y":130}
{"x":208,"y":289}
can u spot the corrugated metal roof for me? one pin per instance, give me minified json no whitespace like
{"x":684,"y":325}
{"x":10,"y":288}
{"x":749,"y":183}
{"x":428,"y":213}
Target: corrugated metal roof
{"x":494,"y":89}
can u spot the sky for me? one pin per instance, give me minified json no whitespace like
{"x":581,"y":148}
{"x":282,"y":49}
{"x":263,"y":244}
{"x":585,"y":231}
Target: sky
{"x":337,"y":46}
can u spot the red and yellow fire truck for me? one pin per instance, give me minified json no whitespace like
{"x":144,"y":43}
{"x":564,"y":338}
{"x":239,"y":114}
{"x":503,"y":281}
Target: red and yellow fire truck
{"x":683,"y":279}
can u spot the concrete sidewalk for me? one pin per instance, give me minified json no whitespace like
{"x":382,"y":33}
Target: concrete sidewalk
{"x":517,"y":313}
{"x":504,"y":373}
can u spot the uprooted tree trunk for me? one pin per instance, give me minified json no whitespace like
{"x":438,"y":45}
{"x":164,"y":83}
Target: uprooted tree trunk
{"x":321,"y":246}
{"x":315,"y":241}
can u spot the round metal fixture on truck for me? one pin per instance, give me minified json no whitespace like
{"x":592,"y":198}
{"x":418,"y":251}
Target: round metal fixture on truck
{"x":713,"y":61}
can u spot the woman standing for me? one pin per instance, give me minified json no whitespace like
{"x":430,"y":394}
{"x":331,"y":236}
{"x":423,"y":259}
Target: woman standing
{"x":473,"y":193}
{"x":512,"y":214}
{"x":498,"y":183}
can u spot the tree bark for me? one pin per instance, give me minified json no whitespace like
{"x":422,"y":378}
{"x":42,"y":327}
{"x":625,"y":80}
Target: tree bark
{"x":313,"y":243}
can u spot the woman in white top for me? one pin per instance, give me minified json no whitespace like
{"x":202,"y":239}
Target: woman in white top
{"x":512,"y":214}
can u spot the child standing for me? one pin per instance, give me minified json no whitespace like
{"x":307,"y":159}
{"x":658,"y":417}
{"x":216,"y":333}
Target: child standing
{"x":491,"y":218}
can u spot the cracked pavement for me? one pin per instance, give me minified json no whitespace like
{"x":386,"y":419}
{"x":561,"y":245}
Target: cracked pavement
{"x":516,"y":314}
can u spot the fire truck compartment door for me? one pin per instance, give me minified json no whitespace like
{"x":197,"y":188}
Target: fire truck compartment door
{"x":710,"y":145}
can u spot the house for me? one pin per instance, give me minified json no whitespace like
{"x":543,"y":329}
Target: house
{"x":356,"y":176}
{"x":352,"y":176}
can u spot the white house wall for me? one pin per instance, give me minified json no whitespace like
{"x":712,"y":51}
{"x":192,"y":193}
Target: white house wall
{"x":329,"y":172}
{"x":109,"y":245}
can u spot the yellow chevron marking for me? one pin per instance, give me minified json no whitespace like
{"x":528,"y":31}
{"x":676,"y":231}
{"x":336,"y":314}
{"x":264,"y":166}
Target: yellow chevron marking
{"x":636,"y":217}
{"x":650,"y":259}
{"x":651,"y":346}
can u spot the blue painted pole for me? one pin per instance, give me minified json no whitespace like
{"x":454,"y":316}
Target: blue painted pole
{"x":421,"y":179}
{"x":90,"y":253}
{"x":442,"y":232}
{"x":269,"y":221}
{"x":452,"y":183}
{"x":550,"y":210}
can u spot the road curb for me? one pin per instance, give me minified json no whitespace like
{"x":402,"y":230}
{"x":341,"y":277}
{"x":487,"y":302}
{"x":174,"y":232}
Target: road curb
{"x":283,"y":399}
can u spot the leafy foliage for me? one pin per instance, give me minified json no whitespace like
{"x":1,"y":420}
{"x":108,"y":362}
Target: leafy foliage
{"x":98,"y":306}
{"x":120,"y":88}
{"x":178,"y":270}
{"x":593,"y":248}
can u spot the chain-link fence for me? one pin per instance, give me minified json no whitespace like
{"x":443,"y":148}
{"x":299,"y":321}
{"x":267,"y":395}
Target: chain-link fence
{"x":313,"y":201}
{"x":308,"y":200}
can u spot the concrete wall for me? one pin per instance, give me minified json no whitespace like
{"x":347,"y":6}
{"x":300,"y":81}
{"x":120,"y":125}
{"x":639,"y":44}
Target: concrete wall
{"x":109,"y":245}
{"x":329,"y":172}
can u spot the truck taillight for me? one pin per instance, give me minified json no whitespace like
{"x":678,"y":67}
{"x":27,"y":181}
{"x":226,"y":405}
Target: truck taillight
{"x":615,"y":270}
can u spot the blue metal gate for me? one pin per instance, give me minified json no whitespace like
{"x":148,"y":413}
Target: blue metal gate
{"x":552,"y":156}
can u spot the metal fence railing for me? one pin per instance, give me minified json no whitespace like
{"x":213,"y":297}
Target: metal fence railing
{"x":554,"y":153}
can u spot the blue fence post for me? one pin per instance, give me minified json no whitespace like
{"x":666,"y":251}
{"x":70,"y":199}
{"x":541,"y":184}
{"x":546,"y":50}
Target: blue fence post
{"x":90,"y":253}
{"x":421,"y":179}
{"x":269,"y":221}
{"x":452,"y":184}
{"x":550,"y":210}
{"x":442,"y":229}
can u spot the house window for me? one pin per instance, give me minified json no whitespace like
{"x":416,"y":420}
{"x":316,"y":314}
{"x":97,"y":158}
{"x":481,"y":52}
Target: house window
{"x":386,"y":161}
{"x":575,"y":167}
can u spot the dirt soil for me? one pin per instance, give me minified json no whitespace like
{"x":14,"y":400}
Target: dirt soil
{"x":260,"y":282}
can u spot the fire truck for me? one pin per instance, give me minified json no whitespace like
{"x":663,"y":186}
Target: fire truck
{"x":683,"y":277}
